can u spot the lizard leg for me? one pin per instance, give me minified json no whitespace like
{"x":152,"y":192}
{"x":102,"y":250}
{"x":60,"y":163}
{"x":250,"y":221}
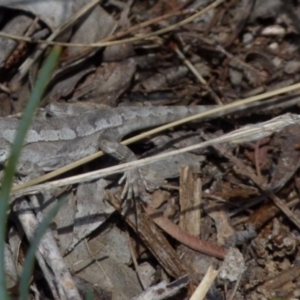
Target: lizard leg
{"x":132,"y":178}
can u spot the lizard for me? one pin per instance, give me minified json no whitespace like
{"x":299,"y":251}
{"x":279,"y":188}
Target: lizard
{"x":71,"y":132}
{"x":67,"y":132}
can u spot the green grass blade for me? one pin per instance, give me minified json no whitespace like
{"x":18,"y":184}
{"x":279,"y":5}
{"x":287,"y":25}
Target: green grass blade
{"x":36,"y":95}
{"x":30,"y":256}
{"x":89,"y":295}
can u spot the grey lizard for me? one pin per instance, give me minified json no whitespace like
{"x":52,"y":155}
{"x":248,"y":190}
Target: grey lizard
{"x":69,"y":133}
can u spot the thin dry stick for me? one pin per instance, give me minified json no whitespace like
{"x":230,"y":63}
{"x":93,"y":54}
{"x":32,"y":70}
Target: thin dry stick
{"x":222,"y":110}
{"x":128,"y":40}
{"x":196,"y":73}
{"x":135,"y":28}
{"x":237,"y":284}
{"x":135,"y":263}
{"x":47,"y":249}
{"x":205,"y":284}
{"x":284,"y":208}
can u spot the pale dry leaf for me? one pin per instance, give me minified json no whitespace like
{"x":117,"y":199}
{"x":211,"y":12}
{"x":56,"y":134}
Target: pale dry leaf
{"x":103,"y":261}
{"x":92,"y":209}
{"x":52,"y":12}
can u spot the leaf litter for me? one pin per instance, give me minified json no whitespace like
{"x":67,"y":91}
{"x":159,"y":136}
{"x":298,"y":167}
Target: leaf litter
{"x":231,"y":206}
